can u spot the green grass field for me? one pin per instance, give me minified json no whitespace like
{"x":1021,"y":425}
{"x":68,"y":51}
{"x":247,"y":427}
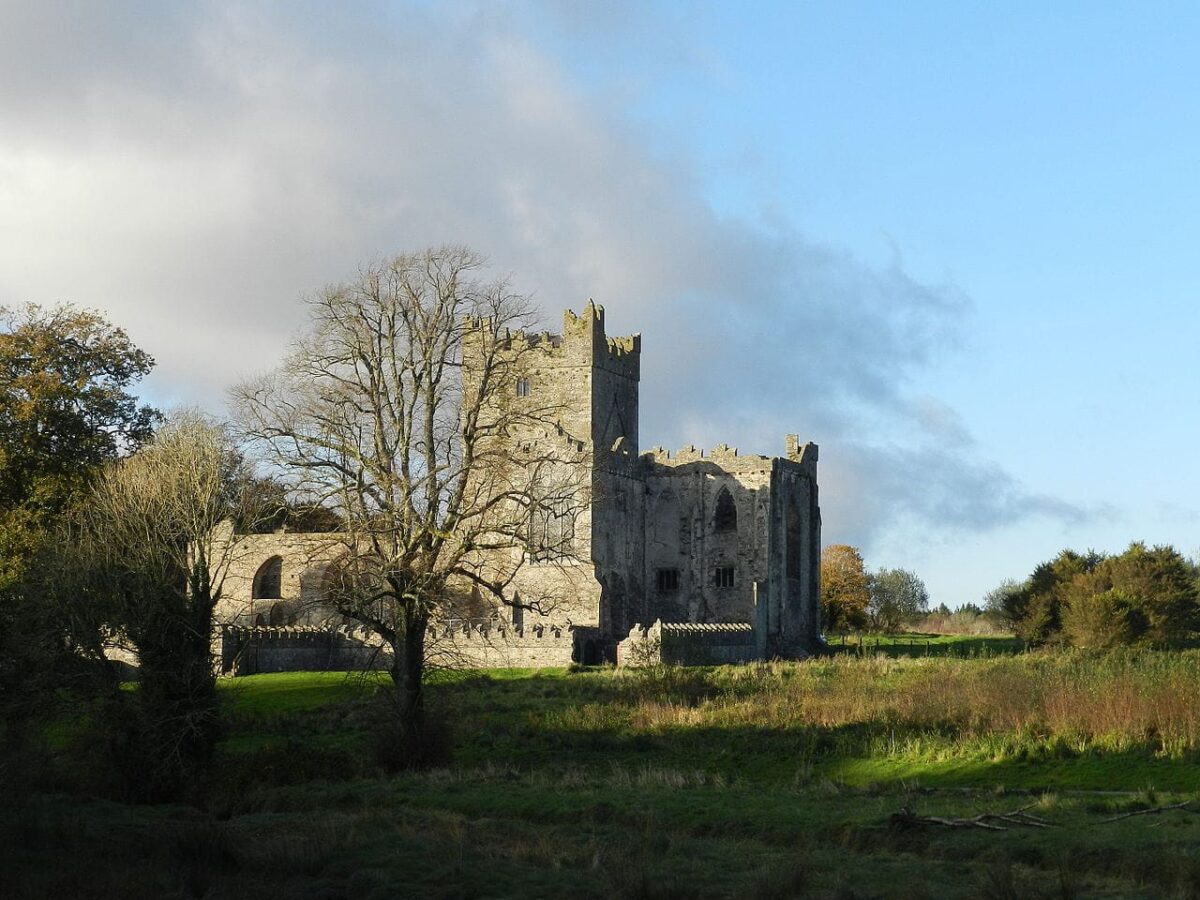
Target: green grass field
{"x":778,"y":780}
{"x":919,"y":644}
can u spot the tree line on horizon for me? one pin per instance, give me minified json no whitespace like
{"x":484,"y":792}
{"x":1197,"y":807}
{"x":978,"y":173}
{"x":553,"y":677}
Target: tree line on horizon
{"x":1144,"y":596}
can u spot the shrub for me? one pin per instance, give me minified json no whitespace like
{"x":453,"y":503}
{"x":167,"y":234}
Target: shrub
{"x":1102,"y":621}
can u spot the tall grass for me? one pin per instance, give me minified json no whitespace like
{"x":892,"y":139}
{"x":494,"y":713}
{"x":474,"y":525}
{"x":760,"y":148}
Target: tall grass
{"x":1122,"y":701}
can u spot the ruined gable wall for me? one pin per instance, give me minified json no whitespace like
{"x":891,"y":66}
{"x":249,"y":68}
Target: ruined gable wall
{"x":304,"y":558}
{"x":681,"y":533}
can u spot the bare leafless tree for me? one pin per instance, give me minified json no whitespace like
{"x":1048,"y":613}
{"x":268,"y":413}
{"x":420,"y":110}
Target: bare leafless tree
{"x":399,"y":408}
{"x":145,"y":557}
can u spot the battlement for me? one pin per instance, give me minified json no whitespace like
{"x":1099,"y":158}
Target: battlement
{"x":499,"y":645}
{"x":621,"y":355}
{"x":498,"y":633}
{"x":582,"y":342}
{"x":722,"y":456}
{"x":247,"y":650}
{"x":706,"y":627}
{"x":805,"y":455}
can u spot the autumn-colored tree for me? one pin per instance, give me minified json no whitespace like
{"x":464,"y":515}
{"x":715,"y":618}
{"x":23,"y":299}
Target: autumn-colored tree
{"x":845,"y":588}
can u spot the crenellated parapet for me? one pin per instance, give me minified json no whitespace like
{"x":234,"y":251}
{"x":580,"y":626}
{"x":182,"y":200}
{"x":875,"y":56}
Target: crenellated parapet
{"x":582,"y":342}
{"x":584,"y":336}
{"x":499,"y":633}
{"x":496,"y":644}
{"x":722,"y":457}
{"x":248,"y":650}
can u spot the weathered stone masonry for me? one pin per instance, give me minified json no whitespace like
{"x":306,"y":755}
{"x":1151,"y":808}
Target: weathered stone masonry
{"x":689,"y":538}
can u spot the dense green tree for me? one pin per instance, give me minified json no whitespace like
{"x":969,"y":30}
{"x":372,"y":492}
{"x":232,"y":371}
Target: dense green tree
{"x":898,"y":598}
{"x":65,"y":408}
{"x":1157,"y":582}
{"x":845,"y":588}
{"x":1146,"y":595}
{"x":1036,"y":610}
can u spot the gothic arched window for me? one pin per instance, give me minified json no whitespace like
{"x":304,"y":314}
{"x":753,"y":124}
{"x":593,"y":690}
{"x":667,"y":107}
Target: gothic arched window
{"x":726,"y":516}
{"x":268,"y":582}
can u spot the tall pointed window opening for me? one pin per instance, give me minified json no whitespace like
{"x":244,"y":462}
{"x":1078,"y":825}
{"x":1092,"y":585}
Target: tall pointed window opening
{"x":726,"y":516}
{"x":268,"y":582}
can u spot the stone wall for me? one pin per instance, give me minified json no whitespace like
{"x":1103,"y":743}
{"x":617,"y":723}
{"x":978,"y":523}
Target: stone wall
{"x":249,"y":651}
{"x":682,"y":531}
{"x":485,"y":646}
{"x":688,"y":644}
{"x":303,"y":559}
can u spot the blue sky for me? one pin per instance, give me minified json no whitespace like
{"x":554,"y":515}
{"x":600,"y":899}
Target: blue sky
{"x":951,"y":243}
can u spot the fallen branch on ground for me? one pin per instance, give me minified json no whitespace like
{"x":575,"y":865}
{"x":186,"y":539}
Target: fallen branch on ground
{"x":1148,"y":812}
{"x":1017,"y":817}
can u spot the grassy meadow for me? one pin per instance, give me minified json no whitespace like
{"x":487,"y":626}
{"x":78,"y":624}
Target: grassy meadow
{"x":812,"y":779}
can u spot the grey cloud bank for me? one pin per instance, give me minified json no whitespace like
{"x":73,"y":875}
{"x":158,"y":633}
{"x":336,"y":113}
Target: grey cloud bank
{"x":194,"y":171}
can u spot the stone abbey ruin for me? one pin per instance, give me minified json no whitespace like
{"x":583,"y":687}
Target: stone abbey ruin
{"x":688,"y":557}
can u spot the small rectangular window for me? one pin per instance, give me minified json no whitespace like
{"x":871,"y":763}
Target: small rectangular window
{"x":668,"y":581}
{"x":723,"y":576}
{"x":522,"y":387}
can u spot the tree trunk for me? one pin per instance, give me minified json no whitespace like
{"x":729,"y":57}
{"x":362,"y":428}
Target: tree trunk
{"x":408,"y":676}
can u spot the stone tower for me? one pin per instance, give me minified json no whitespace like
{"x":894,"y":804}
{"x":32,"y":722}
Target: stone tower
{"x":580,"y":389}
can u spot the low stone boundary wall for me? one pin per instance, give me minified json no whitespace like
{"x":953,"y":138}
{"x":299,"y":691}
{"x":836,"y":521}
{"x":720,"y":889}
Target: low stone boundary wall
{"x":245,"y":650}
{"x":688,"y":644}
{"x":295,"y":648}
{"x":497,"y":646}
